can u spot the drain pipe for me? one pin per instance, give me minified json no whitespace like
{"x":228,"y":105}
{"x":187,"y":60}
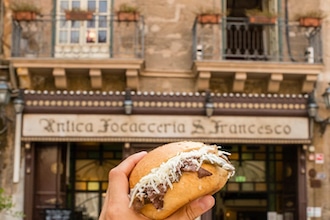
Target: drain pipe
{"x":19,"y":105}
{"x":286,"y":20}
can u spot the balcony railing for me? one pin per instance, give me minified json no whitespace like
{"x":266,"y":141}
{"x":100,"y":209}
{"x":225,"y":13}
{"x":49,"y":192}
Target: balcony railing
{"x":237,"y":39}
{"x":102,"y":37}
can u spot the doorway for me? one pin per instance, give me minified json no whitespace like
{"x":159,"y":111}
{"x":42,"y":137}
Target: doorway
{"x":245,"y":40}
{"x":266,"y":176}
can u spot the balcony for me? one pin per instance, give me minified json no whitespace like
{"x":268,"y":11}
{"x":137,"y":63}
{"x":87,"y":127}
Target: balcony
{"x":92,"y":54}
{"x":235,"y":51}
{"x":105,"y":37}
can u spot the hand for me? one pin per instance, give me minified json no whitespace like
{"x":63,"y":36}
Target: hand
{"x":116,"y":201}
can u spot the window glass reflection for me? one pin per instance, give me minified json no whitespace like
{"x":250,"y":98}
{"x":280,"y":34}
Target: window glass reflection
{"x":63,"y":37}
{"x":64,"y":5}
{"x":74,"y":37}
{"x":103,"y":6}
{"x":102,"y":21}
{"x":91,"y":23}
{"x":91,"y":5}
{"x":102,"y":36}
{"x":75,"y":4}
{"x":75,"y":24}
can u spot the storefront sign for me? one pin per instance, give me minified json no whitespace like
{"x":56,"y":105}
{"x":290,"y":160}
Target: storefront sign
{"x":53,"y":125}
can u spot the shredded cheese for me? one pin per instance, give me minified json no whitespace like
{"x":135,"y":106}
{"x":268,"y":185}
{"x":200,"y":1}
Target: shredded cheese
{"x":167,"y":173}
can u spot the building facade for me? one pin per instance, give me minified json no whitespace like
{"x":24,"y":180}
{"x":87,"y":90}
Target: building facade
{"x":86,"y":92}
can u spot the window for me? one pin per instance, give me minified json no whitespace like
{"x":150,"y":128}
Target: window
{"x":83,"y":38}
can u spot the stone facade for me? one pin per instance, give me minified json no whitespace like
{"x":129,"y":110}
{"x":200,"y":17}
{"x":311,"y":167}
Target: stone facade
{"x":168,"y":66}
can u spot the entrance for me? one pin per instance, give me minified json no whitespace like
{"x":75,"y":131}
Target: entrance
{"x":251,"y":216}
{"x":266,"y":181}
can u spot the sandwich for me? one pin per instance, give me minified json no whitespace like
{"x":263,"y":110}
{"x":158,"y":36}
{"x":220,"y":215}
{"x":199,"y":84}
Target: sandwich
{"x":174,"y":174}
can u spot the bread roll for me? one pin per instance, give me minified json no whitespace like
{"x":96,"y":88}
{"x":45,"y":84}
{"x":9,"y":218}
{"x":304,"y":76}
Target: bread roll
{"x":174,"y":174}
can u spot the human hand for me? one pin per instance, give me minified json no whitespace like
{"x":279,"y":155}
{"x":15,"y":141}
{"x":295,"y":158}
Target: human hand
{"x":116,"y":203}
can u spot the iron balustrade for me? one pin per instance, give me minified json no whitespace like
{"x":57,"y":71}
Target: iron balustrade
{"x":238,"y":39}
{"x":102,"y":37}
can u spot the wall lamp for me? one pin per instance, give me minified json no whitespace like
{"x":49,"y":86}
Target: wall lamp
{"x":4,"y":100}
{"x":5,"y":96}
{"x":209,"y":106}
{"x":313,"y":109}
{"x":128,"y":103}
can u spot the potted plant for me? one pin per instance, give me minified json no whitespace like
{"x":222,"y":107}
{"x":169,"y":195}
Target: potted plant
{"x":209,"y":16}
{"x":128,"y":13}
{"x":77,"y":14}
{"x":25,"y":11}
{"x":256,"y":16}
{"x":310,"y":18}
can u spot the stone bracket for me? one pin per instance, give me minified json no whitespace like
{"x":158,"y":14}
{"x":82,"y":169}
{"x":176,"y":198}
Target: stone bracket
{"x":203,"y":81}
{"x":274,"y":82}
{"x":308,"y":83}
{"x":60,"y":78}
{"x":96,"y":78}
{"x":24,"y":77}
{"x":132,"y":79}
{"x":239,"y":81}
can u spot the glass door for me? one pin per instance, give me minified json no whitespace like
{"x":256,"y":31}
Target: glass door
{"x":90,"y":166}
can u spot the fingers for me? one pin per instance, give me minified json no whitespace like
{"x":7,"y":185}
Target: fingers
{"x":194,"y":209}
{"x":117,"y":192}
{"x":129,"y":163}
{"x":118,"y":176}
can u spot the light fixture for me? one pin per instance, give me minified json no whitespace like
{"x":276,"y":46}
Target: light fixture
{"x":128,"y":103}
{"x":326,"y":97}
{"x":4,"y":99}
{"x":4,"y":92}
{"x":313,"y":110}
{"x":209,"y":106}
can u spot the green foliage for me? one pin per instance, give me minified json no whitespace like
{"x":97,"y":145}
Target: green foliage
{"x":258,"y":12}
{"x":25,"y":6}
{"x":311,"y":14}
{"x":208,"y":11}
{"x":128,"y":8}
{"x":6,"y":205}
{"x":75,"y":9}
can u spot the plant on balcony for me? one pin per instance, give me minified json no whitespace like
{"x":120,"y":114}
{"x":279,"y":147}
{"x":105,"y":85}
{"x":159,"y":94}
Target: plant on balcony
{"x":256,"y":16}
{"x":128,"y":13}
{"x":209,"y":16}
{"x":310,"y":18}
{"x":24,"y":11}
{"x":77,"y":14}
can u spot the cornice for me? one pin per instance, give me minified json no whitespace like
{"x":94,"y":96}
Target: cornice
{"x":112,"y":102}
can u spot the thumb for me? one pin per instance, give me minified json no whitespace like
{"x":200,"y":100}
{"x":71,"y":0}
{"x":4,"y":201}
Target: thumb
{"x":194,"y":209}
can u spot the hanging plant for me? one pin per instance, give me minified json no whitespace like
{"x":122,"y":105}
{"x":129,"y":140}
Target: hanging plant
{"x":310,"y":18}
{"x":25,"y":11}
{"x":256,"y":16}
{"x":128,"y":13}
{"x":77,"y":14}
{"x":209,"y":16}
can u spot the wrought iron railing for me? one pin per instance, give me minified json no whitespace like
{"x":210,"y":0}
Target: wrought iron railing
{"x":237,"y":39}
{"x":60,"y":38}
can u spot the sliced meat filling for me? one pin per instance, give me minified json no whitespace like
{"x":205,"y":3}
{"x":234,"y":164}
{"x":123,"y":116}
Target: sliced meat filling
{"x":156,"y":198}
